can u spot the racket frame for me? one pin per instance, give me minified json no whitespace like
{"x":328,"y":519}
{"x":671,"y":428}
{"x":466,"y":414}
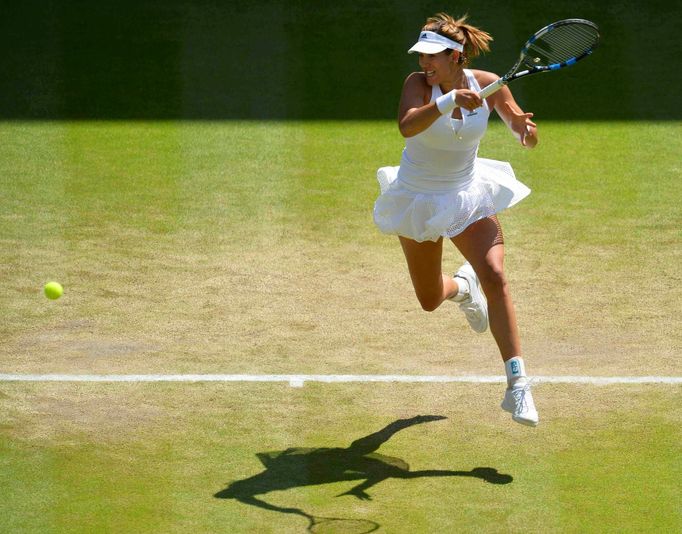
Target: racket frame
{"x":513,"y":75}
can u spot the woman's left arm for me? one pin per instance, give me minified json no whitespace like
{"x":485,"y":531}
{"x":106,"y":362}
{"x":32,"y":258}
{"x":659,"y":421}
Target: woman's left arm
{"x":520,"y":123}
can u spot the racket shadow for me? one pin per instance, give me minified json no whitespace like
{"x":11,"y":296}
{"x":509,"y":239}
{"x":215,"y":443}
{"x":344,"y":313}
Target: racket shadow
{"x":298,"y":467}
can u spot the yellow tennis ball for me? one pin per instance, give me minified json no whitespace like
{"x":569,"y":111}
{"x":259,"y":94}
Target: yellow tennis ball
{"x":53,"y":290}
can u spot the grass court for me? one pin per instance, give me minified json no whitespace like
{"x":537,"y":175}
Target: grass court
{"x":248,"y":248}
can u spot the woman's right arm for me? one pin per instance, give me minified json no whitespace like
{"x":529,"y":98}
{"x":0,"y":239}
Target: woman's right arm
{"x":413,"y":115}
{"x":416,"y":113}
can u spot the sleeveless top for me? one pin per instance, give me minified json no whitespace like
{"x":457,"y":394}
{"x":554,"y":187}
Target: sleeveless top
{"x":443,"y":156}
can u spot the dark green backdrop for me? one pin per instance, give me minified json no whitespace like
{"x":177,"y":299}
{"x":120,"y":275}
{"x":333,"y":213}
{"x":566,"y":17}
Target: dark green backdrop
{"x":301,"y":59}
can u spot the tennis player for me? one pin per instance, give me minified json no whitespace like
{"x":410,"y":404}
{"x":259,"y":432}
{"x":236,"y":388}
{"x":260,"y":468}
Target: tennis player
{"x":442,"y":189}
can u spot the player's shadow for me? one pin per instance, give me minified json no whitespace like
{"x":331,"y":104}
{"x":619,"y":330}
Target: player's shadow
{"x":297,"y":467}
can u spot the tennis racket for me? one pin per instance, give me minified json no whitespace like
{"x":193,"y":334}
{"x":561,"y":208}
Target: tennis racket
{"x":554,"y":47}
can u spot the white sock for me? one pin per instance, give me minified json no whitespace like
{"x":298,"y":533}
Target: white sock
{"x":515,"y":369}
{"x":462,"y":289}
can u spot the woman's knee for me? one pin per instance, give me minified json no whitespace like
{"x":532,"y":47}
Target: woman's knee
{"x":430,"y":298}
{"x":493,"y":280}
{"x":430,"y":304}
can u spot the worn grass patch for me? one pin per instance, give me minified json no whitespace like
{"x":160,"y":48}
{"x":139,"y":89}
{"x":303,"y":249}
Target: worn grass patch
{"x":249,"y":247}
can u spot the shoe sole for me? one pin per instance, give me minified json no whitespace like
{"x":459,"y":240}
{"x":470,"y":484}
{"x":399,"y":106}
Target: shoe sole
{"x":476,"y":294}
{"x":526,"y":422}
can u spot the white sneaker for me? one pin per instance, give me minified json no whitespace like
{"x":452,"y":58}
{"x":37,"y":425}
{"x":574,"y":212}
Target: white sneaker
{"x":474,"y":305}
{"x":518,"y":400}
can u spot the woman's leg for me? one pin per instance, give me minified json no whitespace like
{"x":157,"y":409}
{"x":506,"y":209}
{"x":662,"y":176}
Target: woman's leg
{"x":482,"y":245}
{"x":432,"y":287}
{"x":424,"y":261}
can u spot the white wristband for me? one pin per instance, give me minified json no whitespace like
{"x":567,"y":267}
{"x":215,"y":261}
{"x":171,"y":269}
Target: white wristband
{"x":446,"y":103}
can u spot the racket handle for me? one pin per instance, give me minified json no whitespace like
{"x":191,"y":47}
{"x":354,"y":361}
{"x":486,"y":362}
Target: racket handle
{"x":492,"y":88}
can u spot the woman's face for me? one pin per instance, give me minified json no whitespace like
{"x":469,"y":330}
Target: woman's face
{"x":438,"y":67}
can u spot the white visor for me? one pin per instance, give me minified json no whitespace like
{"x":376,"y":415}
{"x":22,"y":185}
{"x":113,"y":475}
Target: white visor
{"x":432,"y":43}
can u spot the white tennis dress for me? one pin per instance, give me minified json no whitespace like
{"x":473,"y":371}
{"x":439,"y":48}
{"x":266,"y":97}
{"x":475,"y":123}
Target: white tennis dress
{"x":441,"y":185}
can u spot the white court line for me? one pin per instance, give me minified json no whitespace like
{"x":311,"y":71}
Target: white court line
{"x":299,"y":380}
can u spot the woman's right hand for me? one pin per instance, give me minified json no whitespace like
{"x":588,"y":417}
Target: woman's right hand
{"x":468,"y":99}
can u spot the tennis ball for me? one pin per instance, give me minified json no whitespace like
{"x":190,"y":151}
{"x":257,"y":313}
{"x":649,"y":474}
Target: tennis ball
{"x":53,"y":290}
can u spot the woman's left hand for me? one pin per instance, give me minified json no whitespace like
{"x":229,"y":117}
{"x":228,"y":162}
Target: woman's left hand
{"x":524,"y":128}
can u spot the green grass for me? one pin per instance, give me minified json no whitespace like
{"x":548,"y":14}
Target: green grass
{"x":149,"y":458}
{"x":246,"y":247}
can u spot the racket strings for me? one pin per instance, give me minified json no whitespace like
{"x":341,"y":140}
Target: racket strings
{"x":563,"y":43}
